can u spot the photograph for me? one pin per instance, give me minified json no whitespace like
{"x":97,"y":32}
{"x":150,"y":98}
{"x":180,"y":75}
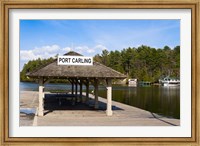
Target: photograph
{"x":105,"y":72}
{"x":100,"y":72}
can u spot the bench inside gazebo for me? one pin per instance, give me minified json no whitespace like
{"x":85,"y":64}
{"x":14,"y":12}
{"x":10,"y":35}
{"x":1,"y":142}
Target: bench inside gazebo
{"x":78,"y":75}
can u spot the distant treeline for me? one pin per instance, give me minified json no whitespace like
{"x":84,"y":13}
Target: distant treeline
{"x":32,"y":65}
{"x":144,"y":63}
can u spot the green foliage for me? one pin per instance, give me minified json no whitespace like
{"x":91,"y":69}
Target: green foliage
{"x":32,"y":65}
{"x":144,"y":63}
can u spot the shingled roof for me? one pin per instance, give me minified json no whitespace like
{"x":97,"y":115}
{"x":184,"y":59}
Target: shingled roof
{"x":97,"y":70}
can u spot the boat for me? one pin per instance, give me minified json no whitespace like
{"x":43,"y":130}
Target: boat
{"x":168,"y":81}
{"x":144,"y":83}
{"x":132,"y":82}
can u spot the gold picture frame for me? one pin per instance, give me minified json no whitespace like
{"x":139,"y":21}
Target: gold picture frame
{"x":132,"y":4}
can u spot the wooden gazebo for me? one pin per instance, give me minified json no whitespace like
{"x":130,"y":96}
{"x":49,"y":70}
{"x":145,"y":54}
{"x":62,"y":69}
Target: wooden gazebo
{"x":78,"y":76}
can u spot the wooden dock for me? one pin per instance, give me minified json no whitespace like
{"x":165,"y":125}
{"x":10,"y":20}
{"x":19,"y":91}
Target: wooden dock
{"x":82,"y":114}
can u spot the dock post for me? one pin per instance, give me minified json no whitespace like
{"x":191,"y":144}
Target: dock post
{"x":96,"y":104}
{"x":109,"y":98}
{"x":41,"y":98}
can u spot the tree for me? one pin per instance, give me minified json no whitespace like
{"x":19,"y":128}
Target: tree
{"x":105,"y":55}
{"x":115,"y":61}
{"x":32,"y":65}
{"x":144,"y":63}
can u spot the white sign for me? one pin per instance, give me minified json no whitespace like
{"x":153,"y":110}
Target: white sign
{"x":74,"y":60}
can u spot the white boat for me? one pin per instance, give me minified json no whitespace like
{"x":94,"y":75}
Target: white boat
{"x":167,"y":81}
{"x":132,"y":82}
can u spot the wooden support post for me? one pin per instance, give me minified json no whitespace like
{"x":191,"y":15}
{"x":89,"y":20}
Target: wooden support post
{"x":109,"y":98}
{"x":96,"y":104}
{"x":86,"y":83}
{"x":46,"y":81}
{"x":72,"y":91}
{"x":78,"y":97}
{"x":72,"y":87}
{"x":87,"y":91}
{"x":41,"y":98}
{"x":76,"y":89}
{"x":81,"y":97}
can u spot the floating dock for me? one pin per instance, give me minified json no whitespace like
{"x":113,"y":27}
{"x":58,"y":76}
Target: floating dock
{"x":84,"y":114}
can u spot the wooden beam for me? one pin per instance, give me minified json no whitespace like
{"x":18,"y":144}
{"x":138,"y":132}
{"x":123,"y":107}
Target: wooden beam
{"x":81,"y":97}
{"x":78,"y":81}
{"x":72,"y":92}
{"x":104,"y":83}
{"x":96,"y":83}
{"x":70,"y":80}
{"x":86,"y":83}
{"x":92,"y":82}
{"x":87,"y":91}
{"x":76,"y":88}
{"x":46,"y":81}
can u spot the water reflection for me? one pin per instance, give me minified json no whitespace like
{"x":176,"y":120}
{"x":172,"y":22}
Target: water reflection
{"x":161,"y":100}
{"x":28,"y":111}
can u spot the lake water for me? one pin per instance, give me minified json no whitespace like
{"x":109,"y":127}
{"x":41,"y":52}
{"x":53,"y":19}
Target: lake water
{"x":157,"y":99}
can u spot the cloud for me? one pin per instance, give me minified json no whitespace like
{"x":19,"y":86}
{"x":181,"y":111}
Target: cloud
{"x":100,"y":47}
{"x":81,"y":49}
{"x":28,"y":55}
{"x":40,"y":52}
{"x":90,"y":50}
{"x":48,"y":51}
{"x":66,"y":49}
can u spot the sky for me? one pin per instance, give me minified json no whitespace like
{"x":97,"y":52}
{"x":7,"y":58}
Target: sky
{"x":46,"y":38}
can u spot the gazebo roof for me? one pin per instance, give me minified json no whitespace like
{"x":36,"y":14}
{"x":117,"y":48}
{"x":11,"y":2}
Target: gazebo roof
{"x":97,"y":70}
